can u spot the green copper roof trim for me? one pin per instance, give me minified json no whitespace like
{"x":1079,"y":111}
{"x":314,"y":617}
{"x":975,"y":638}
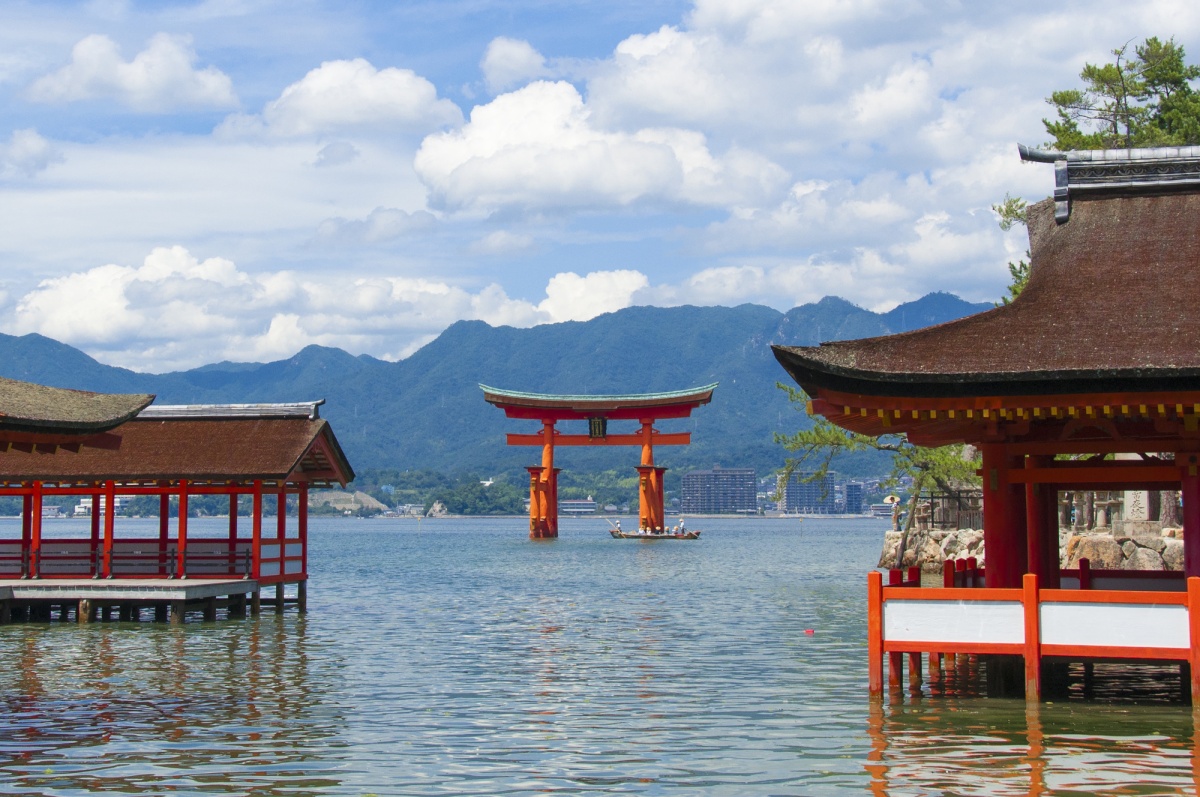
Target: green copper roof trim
{"x":674,"y":394}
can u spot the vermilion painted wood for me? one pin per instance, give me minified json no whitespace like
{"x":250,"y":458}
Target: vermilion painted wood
{"x":1193,"y":594}
{"x":875,"y":633}
{"x":1033,"y":635}
{"x":256,"y":534}
{"x":955,"y":594}
{"x":181,"y":554}
{"x":1113,"y":653}
{"x":913,"y":646}
{"x":110,"y":520}
{"x":660,"y":439}
{"x":1114,"y":596}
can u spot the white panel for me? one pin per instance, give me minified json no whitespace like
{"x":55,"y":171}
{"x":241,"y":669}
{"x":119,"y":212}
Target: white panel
{"x":294,"y":549}
{"x":1119,"y":625}
{"x":269,"y":569}
{"x":293,"y":567}
{"x":270,"y":552}
{"x":954,"y":621}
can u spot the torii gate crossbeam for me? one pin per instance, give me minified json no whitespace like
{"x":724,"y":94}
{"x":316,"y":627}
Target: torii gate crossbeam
{"x":644,"y":408}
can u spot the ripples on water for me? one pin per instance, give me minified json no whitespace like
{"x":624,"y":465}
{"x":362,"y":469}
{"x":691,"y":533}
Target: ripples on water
{"x":460,"y":658}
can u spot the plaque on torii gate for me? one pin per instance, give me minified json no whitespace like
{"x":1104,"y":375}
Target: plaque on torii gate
{"x":643,"y":408}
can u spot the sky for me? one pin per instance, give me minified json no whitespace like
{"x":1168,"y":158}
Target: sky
{"x":187,"y":183}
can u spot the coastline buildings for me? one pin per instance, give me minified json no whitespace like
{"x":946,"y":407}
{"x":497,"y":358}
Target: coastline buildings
{"x":816,"y":497}
{"x":719,"y":490}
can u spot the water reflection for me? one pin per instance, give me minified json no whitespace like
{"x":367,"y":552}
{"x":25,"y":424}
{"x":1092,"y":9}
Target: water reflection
{"x":123,"y":707}
{"x":1004,"y":747}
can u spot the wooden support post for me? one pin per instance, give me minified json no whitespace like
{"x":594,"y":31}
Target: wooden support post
{"x":1003,"y":517}
{"x":127,"y":612}
{"x":1193,"y":593}
{"x":35,"y":525}
{"x":914,"y":674}
{"x":1033,"y":645}
{"x":181,"y":563}
{"x":83,"y":611}
{"x":160,"y":612}
{"x":279,"y":598}
{"x":302,"y":527}
{"x":164,"y":531}
{"x":231,"y":549}
{"x":177,"y":612}
{"x":875,"y":634}
{"x":110,"y":512}
{"x":256,"y":531}
{"x":1189,"y":489}
{"x":5,"y":612}
{"x":895,"y":660}
{"x":255,"y":603}
{"x":210,"y":609}
{"x":27,"y":535}
{"x":237,"y":605}
{"x":97,"y":543}
{"x":302,"y":596}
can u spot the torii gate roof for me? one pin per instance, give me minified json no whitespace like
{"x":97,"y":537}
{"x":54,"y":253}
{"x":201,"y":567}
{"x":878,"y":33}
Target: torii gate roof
{"x":673,"y":404}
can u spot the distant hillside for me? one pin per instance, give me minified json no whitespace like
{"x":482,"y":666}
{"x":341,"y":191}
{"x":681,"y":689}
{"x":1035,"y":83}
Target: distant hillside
{"x":428,"y":412}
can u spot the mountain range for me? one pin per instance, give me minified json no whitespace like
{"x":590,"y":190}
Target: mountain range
{"x":427,"y":411}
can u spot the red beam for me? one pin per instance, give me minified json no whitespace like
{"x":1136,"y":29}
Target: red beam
{"x":659,"y":439}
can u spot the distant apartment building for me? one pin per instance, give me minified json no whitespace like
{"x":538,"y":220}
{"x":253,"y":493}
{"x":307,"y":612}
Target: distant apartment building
{"x":720,"y":490}
{"x":855,"y":493}
{"x":816,"y":497}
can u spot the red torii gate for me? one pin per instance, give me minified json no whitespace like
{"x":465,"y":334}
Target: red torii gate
{"x":646,"y":408}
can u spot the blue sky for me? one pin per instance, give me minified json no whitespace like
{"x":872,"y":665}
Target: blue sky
{"x":236,"y":179}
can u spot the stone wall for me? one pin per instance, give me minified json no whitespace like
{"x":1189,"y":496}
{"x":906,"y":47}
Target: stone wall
{"x":928,"y":549}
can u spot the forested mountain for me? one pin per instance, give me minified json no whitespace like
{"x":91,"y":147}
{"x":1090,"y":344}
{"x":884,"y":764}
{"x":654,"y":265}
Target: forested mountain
{"x":427,"y":412}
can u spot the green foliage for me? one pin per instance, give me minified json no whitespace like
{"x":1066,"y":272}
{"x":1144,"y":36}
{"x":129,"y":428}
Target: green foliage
{"x":469,"y":496}
{"x":815,"y":448}
{"x":1139,"y":100}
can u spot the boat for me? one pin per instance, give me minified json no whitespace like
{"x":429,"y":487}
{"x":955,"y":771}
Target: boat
{"x":652,"y":535}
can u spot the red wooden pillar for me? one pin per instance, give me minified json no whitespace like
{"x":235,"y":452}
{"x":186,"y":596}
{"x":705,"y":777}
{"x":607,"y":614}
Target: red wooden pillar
{"x":110,"y":501}
{"x":281,"y":516}
{"x":302,"y":525}
{"x":1041,"y":522}
{"x":27,"y":534}
{"x":1003,"y":518}
{"x":875,"y":634}
{"x":94,"y":519}
{"x":535,"y":501}
{"x":181,"y":565}
{"x":35,"y":530}
{"x":164,"y":527}
{"x":1033,"y":645}
{"x":1190,"y":489}
{"x":231,"y":546}
{"x":256,"y":527}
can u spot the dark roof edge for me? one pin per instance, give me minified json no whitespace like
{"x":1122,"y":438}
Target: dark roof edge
{"x":809,"y":371}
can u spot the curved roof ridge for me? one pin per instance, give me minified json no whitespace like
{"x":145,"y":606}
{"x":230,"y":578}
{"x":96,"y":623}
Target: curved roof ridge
{"x":608,"y":398}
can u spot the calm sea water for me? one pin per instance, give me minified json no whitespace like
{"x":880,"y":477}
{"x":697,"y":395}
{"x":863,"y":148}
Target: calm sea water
{"x":457,"y":657}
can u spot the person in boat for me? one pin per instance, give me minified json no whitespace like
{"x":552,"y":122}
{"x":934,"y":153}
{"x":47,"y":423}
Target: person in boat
{"x":618,"y":525}
{"x":682,"y":530}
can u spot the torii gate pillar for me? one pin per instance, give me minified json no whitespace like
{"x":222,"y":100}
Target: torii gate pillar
{"x":644,"y":408}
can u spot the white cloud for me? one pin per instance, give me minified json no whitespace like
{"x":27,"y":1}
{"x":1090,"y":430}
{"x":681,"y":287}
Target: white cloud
{"x":508,"y":63}
{"x":502,"y":242}
{"x":26,"y":154}
{"x":570,"y":297}
{"x":381,"y":224}
{"x":350,"y":95}
{"x":336,"y":154}
{"x":536,"y":148}
{"x":159,"y":79}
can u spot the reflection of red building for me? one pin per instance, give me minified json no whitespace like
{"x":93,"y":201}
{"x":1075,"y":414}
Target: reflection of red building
{"x":91,"y":445}
{"x":1099,"y":356}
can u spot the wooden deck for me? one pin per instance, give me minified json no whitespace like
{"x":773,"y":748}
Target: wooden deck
{"x":87,"y":599}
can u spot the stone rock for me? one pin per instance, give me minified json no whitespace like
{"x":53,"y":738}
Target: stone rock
{"x":891,"y":548}
{"x":1101,"y":551}
{"x":1144,"y":559}
{"x":1127,"y":548}
{"x":438,"y":510}
{"x":1172,"y":555}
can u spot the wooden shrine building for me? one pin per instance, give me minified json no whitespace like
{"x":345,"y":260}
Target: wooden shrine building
{"x":1098,"y":356}
{"x":644,"y":408}
{"x":260,"y":452}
